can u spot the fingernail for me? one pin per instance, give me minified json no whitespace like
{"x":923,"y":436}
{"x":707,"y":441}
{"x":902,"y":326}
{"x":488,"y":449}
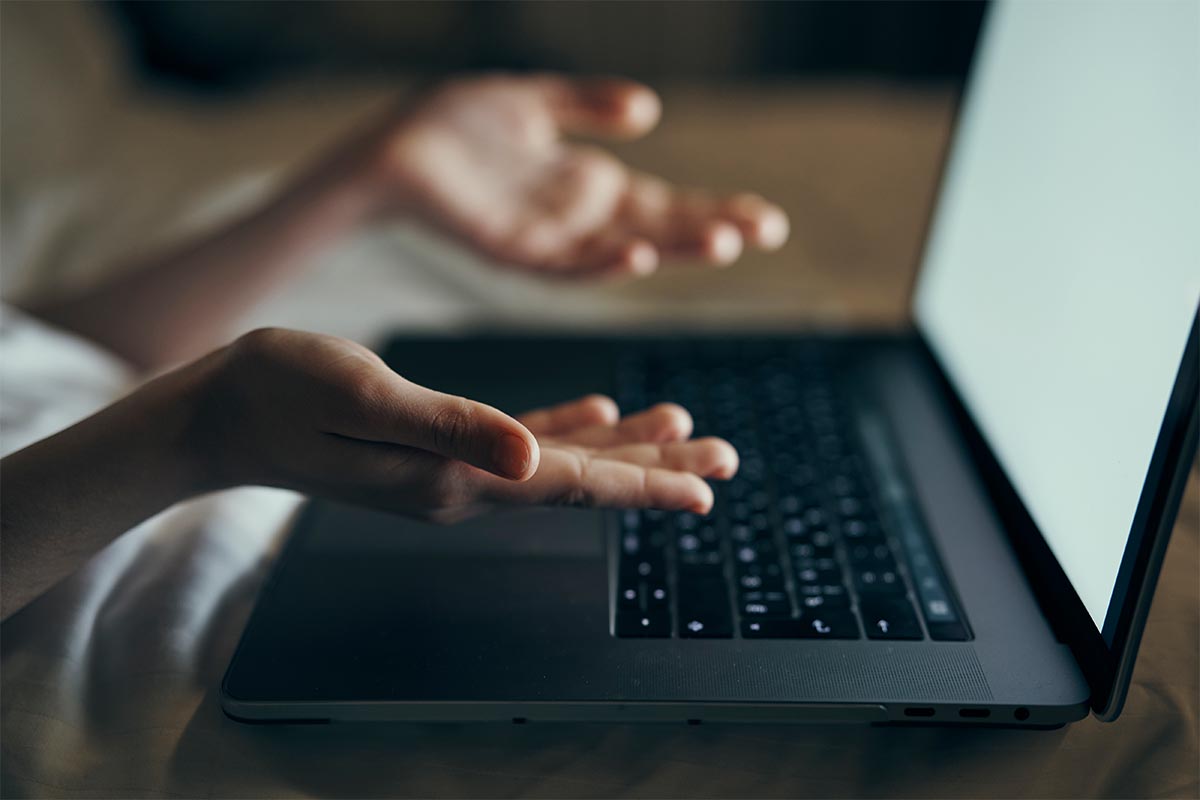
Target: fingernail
{"x":511,"y":455}
{"x":773,"y":231}
{"x":725,"y":245}
{"x":642,"y":110}
{"x":643,"y":260}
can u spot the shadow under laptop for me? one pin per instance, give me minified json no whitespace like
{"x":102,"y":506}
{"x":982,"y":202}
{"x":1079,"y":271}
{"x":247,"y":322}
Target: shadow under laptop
{"x":221,"y":757}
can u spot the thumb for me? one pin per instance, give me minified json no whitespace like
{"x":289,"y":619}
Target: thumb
{"x":600,"y":106}
{"x":468,"y":431}
{"x":401,"y":412}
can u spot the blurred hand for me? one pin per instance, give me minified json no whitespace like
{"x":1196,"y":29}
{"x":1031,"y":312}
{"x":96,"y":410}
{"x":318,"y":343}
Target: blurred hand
{"x":326,"y":416}
{"x":486,"y":160}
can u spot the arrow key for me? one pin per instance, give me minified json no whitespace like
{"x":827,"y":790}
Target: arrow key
{"x":889,"y":617}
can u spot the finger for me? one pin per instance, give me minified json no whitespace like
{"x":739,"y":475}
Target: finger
{"x":634,"y":257}
{"x":570,"y":478}
{"x":387,"y":408}
{"x":761,"y":223}
{"x":585,"y":412}
{"x":665,"y":422}
{"x":601,"y":106}
{"x":717,"y":242}
{"x":708,"y":457}
{"x":681,"y":225}
{"x":612,"y":256}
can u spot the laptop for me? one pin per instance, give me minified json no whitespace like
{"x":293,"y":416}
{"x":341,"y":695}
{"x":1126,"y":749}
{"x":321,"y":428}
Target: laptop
{"x":959,"y":523}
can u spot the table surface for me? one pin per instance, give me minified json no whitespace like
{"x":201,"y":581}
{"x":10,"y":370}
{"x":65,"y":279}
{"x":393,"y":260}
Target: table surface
{"x":855,"y":167}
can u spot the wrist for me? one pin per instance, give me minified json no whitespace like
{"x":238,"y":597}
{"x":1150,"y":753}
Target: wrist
{"x":70,"y":494}
{"x":198,"y":424}
{"x":362,"y":179}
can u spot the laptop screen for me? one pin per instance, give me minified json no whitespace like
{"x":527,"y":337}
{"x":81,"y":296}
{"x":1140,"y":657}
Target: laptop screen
{"x":1062,"y":272}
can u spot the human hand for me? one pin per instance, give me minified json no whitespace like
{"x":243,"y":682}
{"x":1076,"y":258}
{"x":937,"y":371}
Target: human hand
{"x":485,"y":159}
{"x":327,"y":417}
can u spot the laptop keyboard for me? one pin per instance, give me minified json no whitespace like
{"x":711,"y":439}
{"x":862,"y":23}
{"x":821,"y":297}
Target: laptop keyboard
{"x":797,"y":545}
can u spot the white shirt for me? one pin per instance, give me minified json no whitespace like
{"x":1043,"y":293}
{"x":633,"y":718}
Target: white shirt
{"x":101,"y":677}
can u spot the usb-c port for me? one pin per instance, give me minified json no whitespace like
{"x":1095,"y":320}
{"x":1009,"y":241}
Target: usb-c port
{"x":974,"y":713}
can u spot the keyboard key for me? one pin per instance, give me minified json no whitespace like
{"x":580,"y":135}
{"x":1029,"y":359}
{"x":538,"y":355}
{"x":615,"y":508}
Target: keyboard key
{"x":766,"y":583}
{"x":790,"y":504}
{"x":656,"y":598}
{"x":937,"y":607}
{"x":763,"y":608}
{"x":831,"y":624}
{"x":886,"y":580}
{"x":644,"y":625}
{"x":747,"y":555}
{"x":713,"y":559}
{"x":821,"y":538}
{"x":886,"y":617}
{"x":647,"y":568}
{"x":767,"y":570}
{"x":629,"y":600}
{"x":689,"y":576}
{"x":858,"y":529}
{"x":879,"y":555}
{"x":805,"y":552}
{"x":707,"y":624}
{"x":947,"y":631}
{"x":819,"y":576}
{"x":816,"y":602}
{"x":745,"y":534}
{"x":709,"y":534}
{"x":850,"y":507}
{"x":702,"y":595}
{"x":795,"y":527}
{"x":764,"y":597}
{"x":772,"y":629}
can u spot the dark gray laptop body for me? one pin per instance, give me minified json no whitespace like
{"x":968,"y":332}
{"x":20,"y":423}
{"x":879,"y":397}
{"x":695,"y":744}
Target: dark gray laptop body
{"x":516,"y":616}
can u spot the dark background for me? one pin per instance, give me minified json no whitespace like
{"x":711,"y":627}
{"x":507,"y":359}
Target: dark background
{"x":229,"y":45}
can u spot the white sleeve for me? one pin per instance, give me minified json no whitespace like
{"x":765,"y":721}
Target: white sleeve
{"x":50,"y":379}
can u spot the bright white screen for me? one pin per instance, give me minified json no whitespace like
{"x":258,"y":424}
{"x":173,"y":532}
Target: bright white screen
{"x":1063,"y":269}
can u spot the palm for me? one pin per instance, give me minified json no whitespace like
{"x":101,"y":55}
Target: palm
{"x":486,"y":161}
{"x":593,"y":457}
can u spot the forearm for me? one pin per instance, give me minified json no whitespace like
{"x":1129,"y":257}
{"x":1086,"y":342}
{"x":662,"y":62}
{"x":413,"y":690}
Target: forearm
{"x":66,"y":497}
{"x":178,"y":304}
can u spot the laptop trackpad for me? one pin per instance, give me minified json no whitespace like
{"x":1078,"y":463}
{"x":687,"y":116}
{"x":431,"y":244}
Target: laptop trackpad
{"x":530,"y":532}
{"x":368,"y":605}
